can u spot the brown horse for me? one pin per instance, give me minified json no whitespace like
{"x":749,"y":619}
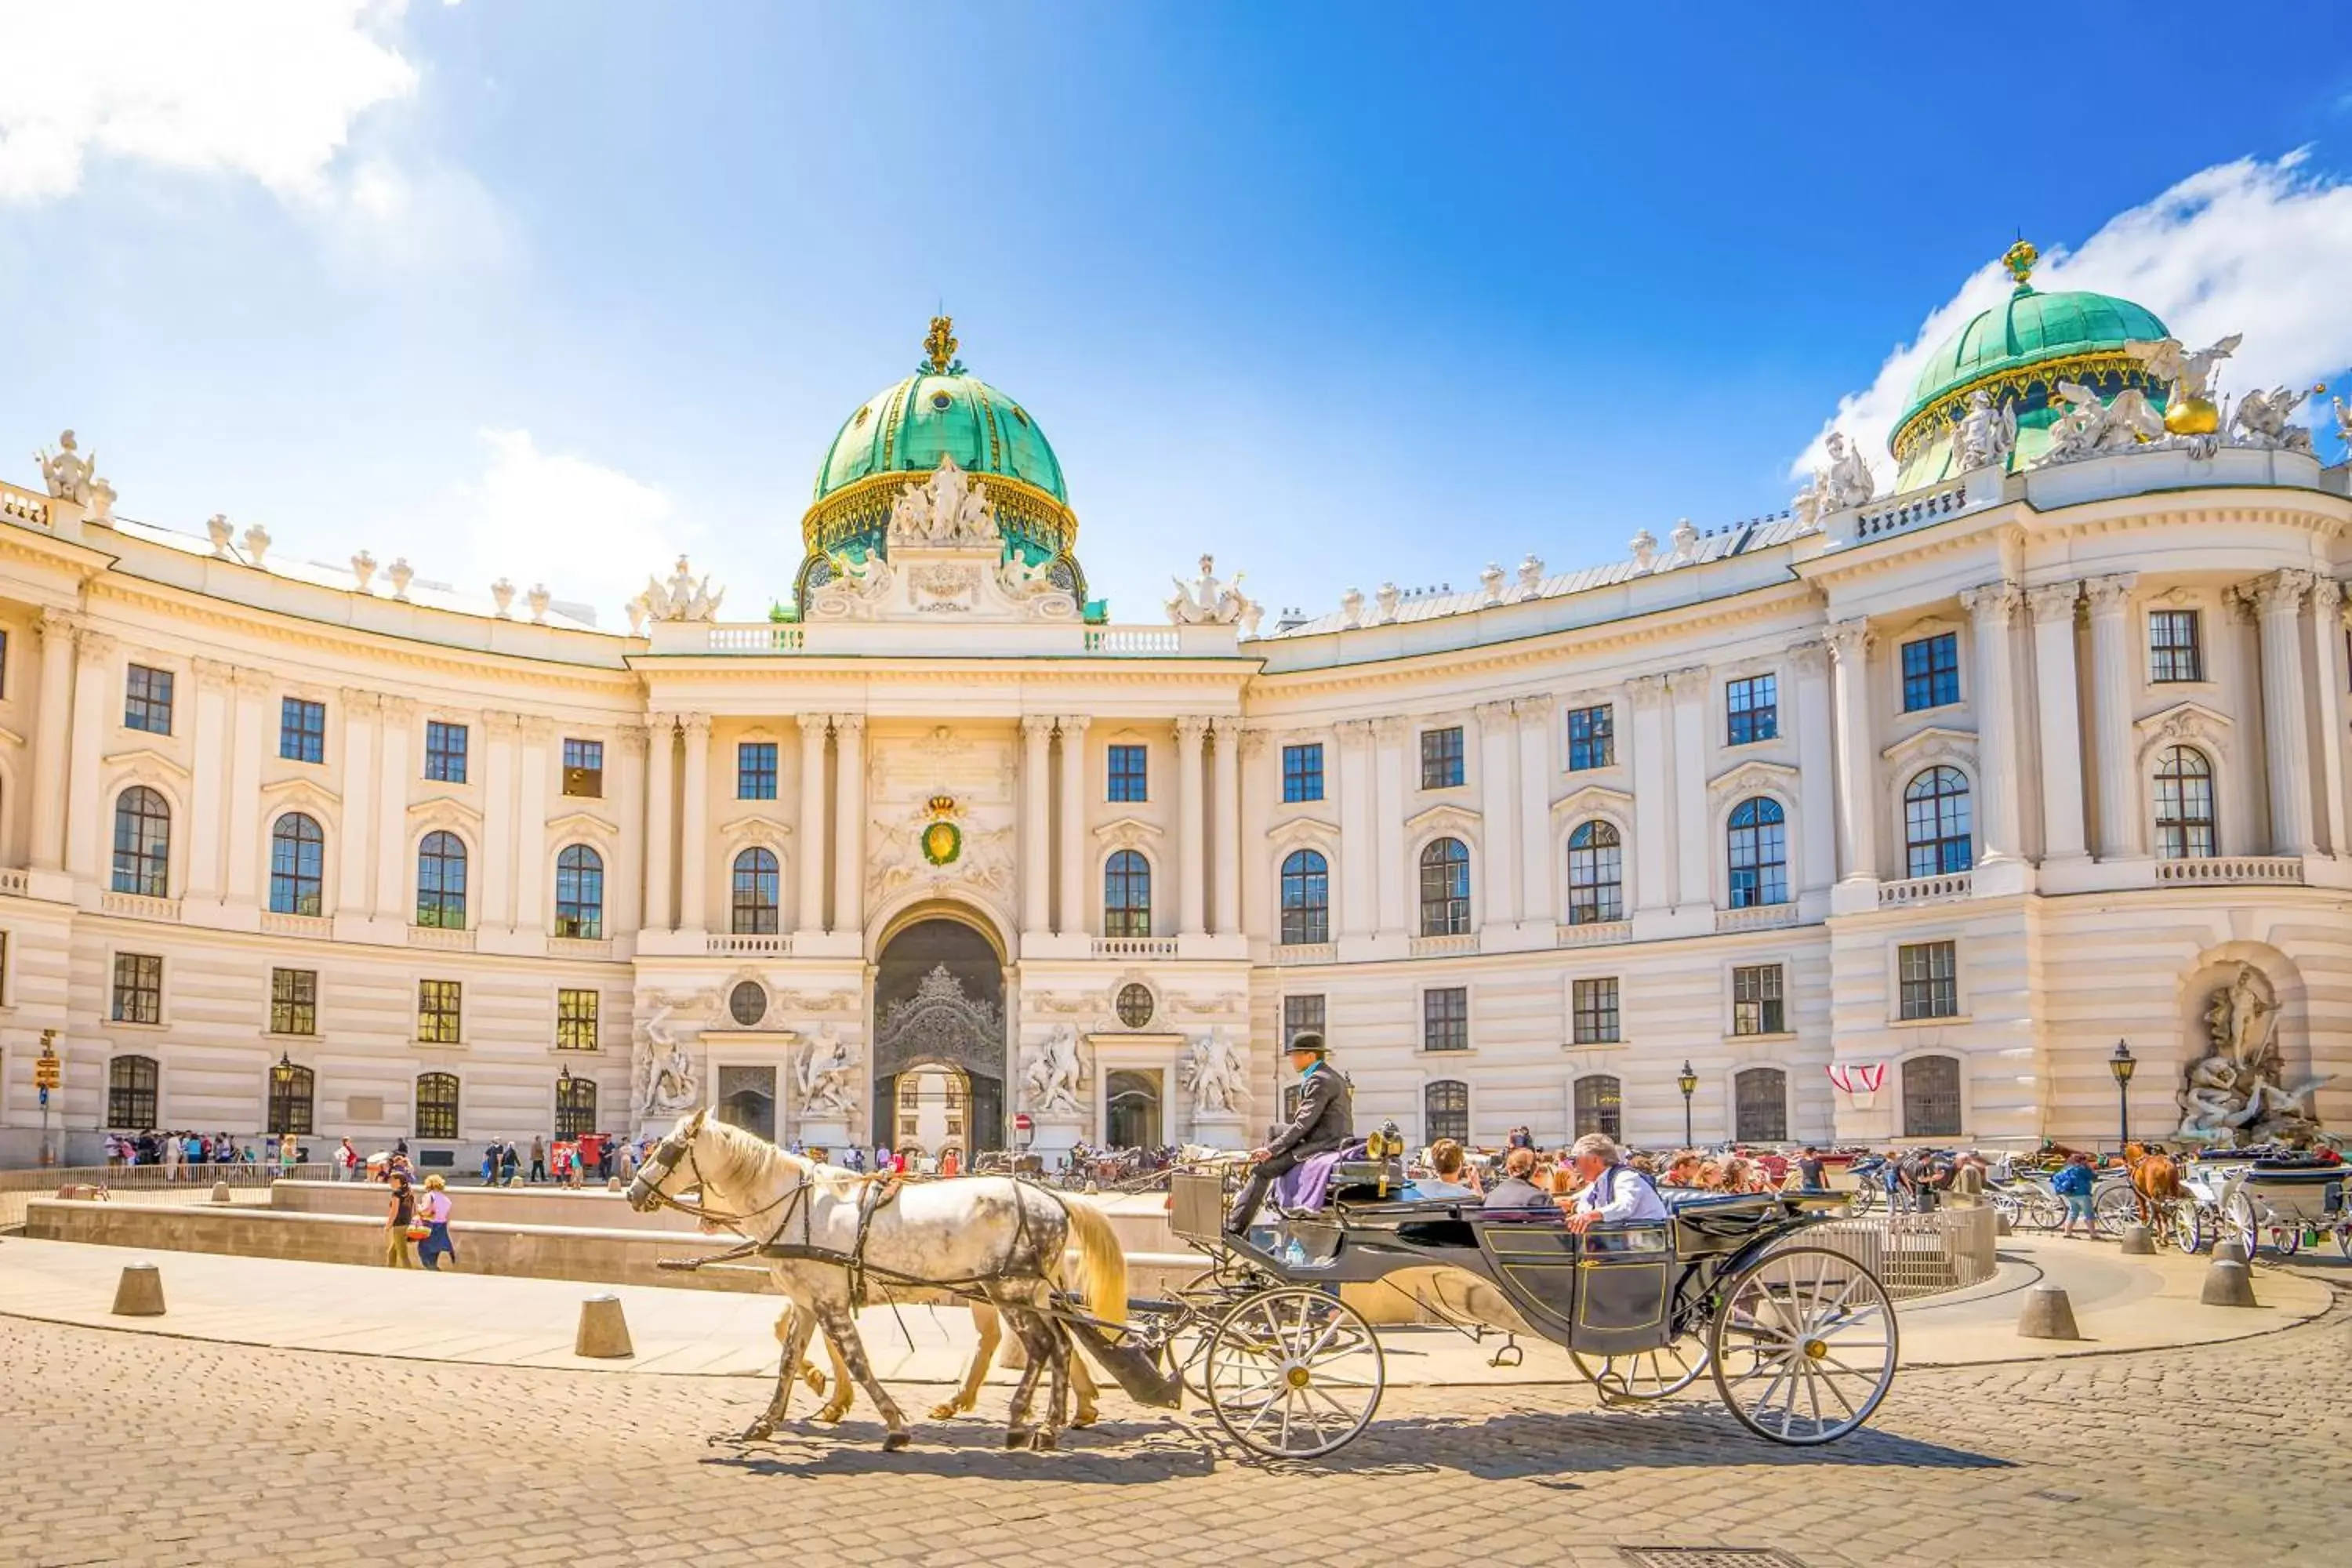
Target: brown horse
{"x":2155,"y":1179}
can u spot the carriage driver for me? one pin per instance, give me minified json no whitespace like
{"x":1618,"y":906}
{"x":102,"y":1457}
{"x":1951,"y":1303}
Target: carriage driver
{"x":1325,"y":1121}
{"x":1613,"y":1191}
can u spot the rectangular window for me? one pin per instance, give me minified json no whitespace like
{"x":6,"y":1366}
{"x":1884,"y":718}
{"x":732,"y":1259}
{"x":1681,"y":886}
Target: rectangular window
{"x":1445,"y":1019}
{"x":138,"y":988}
{"x":436,"y":1012}
{"x":755,"y":769}
{"x":1930,"y":979}
{"x":1301,"y":1015}
{"x":445,"y":752}
{"x":1441,"y":758}
{"x":575,"y":1020}
{"x":302,"y":731}
{"x":1755,"y":1004}
{"x":1591,"y":738}
{"x":1755,"y":709}
{"x":584,"y":769}
{"x":2173,"y":650}
{"x":293,"y":1000}
{"x":1128,"y":778}
{"x":1931,"y":672}
{"x":1595,"y":1012}
{"x":1302,"y":772}
{"x":147,"y":700}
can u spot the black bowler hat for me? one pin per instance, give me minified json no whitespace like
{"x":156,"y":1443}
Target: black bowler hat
{"x":1308,"y":1040}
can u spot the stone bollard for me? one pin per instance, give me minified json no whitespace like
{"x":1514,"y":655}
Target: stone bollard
{"x":2228,"y":1282}
{"x":2002,"y":1226}
{"x":2138,"y":1241}
{"x":140,"y":1293}
{"x":604,"y":1332}
{"x":220,"y":1192}
{"x":2048,"y":1315}
{"x":612,"y":1184}
{"x":2230,"y":1250}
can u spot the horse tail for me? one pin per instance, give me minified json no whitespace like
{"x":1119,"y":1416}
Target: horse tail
{"x":1101,"y":1265}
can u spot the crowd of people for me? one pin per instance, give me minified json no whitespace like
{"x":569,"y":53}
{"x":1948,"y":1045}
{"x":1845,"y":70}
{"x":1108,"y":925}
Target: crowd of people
{"x":1447,"y":1164}
{"x":178,"y":1152}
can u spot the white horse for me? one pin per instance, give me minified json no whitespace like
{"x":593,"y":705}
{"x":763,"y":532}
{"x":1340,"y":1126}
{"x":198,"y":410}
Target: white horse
{"x":1001,"y":1238}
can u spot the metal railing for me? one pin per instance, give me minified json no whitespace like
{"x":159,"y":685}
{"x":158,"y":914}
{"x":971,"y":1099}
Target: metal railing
{"x":147,"y":1184}
{"x":1946,"y":1249}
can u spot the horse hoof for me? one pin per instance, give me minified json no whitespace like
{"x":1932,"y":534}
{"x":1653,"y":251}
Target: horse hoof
{"x":1016,"y":1439}
{"x":830,"y":1414}
{"x":943,"y":1412}
{"x":1043,"y":1442}
{"x":896,"y":1441}
{"x":758,"y":1432}
{"x":1086,"y":1418}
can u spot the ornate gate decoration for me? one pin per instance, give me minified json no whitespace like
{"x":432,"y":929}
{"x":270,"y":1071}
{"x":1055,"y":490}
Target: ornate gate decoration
{"x":940,"y":1023}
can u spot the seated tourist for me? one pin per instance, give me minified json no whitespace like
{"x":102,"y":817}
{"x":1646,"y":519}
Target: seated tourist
{"x":1681,"y":1170}
{"x":1517,"y":1190}
{"x":1613,"y":1192}
{"x":1448,"y":1175}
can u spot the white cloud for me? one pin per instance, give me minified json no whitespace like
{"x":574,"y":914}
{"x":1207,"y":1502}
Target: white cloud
{"x":588,"y":532}
{"x":264,"y":89}
{"x":2253,"y":247}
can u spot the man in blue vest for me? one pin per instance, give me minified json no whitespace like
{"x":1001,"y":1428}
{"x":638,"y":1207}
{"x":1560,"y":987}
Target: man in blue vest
{"x":1325,"y":1121}
{"x":1613,"y":1192}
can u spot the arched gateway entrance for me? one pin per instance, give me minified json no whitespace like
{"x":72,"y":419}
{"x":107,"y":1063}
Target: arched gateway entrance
{"x":939,"y":1003}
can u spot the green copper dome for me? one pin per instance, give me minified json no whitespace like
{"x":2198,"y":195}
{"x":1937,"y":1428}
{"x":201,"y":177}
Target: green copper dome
{"x":941,"y":411}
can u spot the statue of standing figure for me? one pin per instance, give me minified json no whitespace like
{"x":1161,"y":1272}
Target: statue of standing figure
{"x":2238,"y":1094}
{"x":1051,"y":1076}
{"x":666,"y":1083}
{"x":1215,"y":1073}
{"x":827,"y":1076}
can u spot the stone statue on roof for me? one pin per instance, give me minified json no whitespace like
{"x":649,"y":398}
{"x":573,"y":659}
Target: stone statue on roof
{"x":683,"y":597}
{"x":1987,"y":434}
{"x":2265,"y":419}
{"x":1204,"y":601}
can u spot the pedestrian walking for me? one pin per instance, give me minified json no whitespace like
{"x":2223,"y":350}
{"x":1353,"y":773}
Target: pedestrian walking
{"x":2074,"y":1182}
{"x":348,"y":1158}
{"x":400,"y":1214}
{"x":628,"y":1156}
{"x":510,"y":1164}
{"x":538,"y":1158}
{"x":1810,"y":1176}
{"x":288,"y":1150}
{"x":433,"y":1208}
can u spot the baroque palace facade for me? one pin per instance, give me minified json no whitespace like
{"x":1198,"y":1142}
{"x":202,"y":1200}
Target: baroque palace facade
{"x":1886,"y":818}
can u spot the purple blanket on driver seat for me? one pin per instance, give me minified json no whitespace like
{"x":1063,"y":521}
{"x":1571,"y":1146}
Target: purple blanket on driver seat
{"x":1308,"y":1184}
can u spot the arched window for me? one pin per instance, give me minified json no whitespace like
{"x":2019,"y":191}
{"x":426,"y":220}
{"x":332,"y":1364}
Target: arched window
{"x":1306,"y":898}
{"x":1445,"y":1110}
{"x":298,"y":868}
{"x":755,"y":898}
{"x":1931,"y":1097}
{"x":575,"y":1107}
{"x":2184,"y":805}
{"x":1759,"y":1101}
{"x":131,"y":1093}
{"x":436,"y":1105}
{"x":1599,"y":1105}
{"x":290,"y":1092}
{"x":1758,"y":845}
{"x":1127,"y":894}
{"x":1936,"y":838}
{"x":1445,"y":888}
{"x":143,"y":842}
{"x":1596,"y":874}
{"x":580,"y":893}
{"x":441,"y":883}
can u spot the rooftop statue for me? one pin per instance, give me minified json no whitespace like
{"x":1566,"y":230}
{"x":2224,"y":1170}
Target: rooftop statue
{"x":1204,"y":601}
{"x":2343,"y":420}
{"x":1987,"y":434}
{"x":70,"y":476}
{"x":1845,"y":483}
{"x":2090,"y":429}
{"x":683,"y":597}
{"x":947,"y":509}
{"x":2263,"y":419}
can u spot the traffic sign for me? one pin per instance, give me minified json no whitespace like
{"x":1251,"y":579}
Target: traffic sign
{"x":1022,"y":1123}
{"x":46,"y":1073}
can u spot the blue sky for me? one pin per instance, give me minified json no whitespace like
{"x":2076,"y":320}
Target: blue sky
{"x":1345,"y":295}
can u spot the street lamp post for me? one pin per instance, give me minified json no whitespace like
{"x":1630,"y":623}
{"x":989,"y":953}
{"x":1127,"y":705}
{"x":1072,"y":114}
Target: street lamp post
{"x":48,"y":1073}
{"x":1688,"y":1083}
{"x":2123,"y":1064}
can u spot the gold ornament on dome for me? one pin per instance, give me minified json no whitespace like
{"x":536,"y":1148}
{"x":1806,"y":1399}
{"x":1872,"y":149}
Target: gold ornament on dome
{"x":940,"y":343}
{"x":2020,"y":260}
{"x":2192,"y":416}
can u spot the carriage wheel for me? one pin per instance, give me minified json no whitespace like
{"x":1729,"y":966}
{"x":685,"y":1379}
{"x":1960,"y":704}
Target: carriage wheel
{"x":2240,"y":1219}
{"x":1866,"y":1199}
{"x":1293,"y":1374}
{"x":1645,"y":1375}
{"x":2189,"y":1232}
{"x":2343,"y":1240}
{"x":1804,"y":1346}
{"x":2287,"y":1240}
{"x":2114,"y":1209}
{"x":2047,"y":1211}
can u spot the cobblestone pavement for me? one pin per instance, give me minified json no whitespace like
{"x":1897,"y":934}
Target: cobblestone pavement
{"x":134,"y":1448}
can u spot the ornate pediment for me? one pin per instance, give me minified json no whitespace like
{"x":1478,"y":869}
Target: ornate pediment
{"x":1751,"y":777}
{"x":1933,"y":745}
{"x":745,"y":831}
{"x":147,"y":762}
{"x":2185,"y":724}
{"x":582,"y":825}
{"x":443,"y":811}
{"x":1446,"y":818}
{"x":1303,"y":830}
{"x":1595,"y":800}
{"x":1127,"y":832}
{"x":305,"y":793}
{"x":946,"y":559}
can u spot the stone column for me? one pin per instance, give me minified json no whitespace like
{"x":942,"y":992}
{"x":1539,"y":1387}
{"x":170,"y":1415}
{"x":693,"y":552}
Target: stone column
{"x":2059,"y":718}
{"x":694,"y":826}
{"x":363,"y":715}
{"x":1249,"y":850}
{"x":395,"y":874}
{"x":1858,"y":803}
{"x":1358,"y":878}
{"x":208,"y":818}
{"x":809,"y":847}
{"x":492,"y":887}
{"x":1191,"y":826}
{"x":1498,"y":776}
{"x":52,"y":731}
{"x":1993,"y":608}
{"x":661,"y":818}
{"x":1389,"y":737}
{"x":531,"y":902}
{"x":1816,"y":723}
{"x":1070,"y":916}
{"x":1224,"y":841}
{"x":2286,"y":724}
{"x":2327,"y":663}
{"x":623,"y":914}
{"x":1036,"y":824}
{"x":2111,"y":713}
{"x":1537,"y":880}
{"x":1694,"y":851}
{"x":849,"y":821}
{"x":1653,"y":807}
{"x":251,"y":736}
{"x":87,"y":815}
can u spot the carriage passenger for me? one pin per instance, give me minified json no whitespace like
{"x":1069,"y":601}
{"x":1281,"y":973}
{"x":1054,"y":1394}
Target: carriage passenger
{"x":1613,"y":1192}
{"x":1517,"y":1190}
{"x":1449,"y":1176}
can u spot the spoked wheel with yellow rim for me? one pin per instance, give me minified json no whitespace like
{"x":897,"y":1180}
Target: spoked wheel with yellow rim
{"x":1293,"y":1374}
{"x":1804,"y":1346}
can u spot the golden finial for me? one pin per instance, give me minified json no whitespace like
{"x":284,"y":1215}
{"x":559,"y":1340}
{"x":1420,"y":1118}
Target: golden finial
{"x":940,"y":343}
{"x":2020,"y":260}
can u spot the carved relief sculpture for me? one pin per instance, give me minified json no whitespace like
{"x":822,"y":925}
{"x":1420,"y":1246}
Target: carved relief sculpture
{"x":1217,"y":1076}
{"x":663,"y":1067}
{"x":826,"y":1077}
{"x":1052,"y":1073}
{"x":2237,"y":1095}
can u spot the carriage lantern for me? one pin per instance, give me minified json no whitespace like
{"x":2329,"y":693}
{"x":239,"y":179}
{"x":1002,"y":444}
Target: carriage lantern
{"x":1688,"y":1083}
{"x":283,"y":1073}
{"x":2122,"y":1064}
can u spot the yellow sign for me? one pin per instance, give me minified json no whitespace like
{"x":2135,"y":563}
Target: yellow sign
{"x":47,"y":1072}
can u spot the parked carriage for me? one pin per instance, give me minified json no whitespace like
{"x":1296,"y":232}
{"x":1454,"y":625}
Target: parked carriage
{"x":2285,"y":1202}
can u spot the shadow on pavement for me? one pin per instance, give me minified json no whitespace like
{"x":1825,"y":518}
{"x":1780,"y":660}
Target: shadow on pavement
{"x":1111,"y":1453}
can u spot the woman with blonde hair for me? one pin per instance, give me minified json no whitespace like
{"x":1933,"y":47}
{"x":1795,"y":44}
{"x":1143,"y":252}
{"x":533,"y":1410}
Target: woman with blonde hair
{"x":432,"y":1208}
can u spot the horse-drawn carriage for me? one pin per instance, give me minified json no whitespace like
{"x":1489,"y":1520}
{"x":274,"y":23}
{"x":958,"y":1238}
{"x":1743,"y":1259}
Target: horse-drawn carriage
{"x":2283,"y":1200}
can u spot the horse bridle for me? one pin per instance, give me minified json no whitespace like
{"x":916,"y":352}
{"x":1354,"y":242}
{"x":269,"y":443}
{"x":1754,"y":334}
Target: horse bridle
{"x":664,"y":1160}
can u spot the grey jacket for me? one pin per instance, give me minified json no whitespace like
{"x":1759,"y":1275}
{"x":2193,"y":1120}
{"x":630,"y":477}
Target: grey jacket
{"x":1326,"y":1119}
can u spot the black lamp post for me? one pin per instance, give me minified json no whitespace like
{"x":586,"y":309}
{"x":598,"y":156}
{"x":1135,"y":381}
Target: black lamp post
{"x":2122,"y":1064}
{"x":1688,"y":1083}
